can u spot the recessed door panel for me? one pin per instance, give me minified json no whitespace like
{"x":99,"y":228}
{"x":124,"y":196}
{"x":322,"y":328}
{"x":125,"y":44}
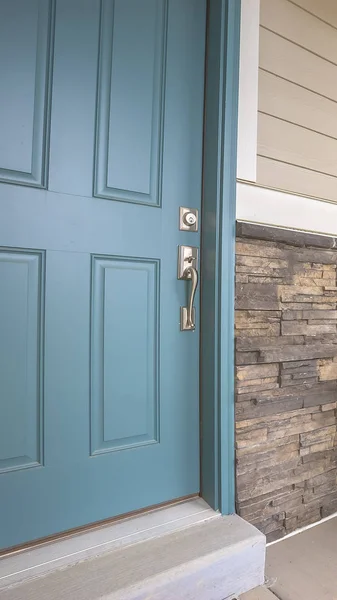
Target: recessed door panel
{"x":21,"y":364}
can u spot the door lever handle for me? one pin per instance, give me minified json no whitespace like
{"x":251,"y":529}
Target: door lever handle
{"x":188,"y":317}
{"x":187,"y":270}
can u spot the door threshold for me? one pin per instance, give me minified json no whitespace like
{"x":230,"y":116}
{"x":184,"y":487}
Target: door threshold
{"x":91,"y":527}
{"x":52,"y":555}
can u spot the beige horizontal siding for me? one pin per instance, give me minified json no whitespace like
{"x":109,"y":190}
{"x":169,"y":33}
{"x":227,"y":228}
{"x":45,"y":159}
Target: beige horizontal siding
{"x":296,"y":145}
{"x":288,"y":101}
{"x":286,"y":59}
{"x":300,"y":27}
{"x":323,"y":9}
{"x":282,"y":176}
{"x":297,"y":124}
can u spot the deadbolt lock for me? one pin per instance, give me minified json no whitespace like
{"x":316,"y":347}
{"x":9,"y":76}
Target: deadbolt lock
{"x":188,"y":219}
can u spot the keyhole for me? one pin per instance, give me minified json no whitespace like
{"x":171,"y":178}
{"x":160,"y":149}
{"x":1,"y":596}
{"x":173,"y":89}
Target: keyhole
{"x":190,"y":219}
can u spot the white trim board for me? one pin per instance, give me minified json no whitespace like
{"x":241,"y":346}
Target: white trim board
{"x":42,"y":559}
{"x":248,"y":89}
{"x":281,"y":209}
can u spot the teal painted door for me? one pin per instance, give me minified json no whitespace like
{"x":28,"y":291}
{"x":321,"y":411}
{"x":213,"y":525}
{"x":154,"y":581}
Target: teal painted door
{"x":101,"y":141}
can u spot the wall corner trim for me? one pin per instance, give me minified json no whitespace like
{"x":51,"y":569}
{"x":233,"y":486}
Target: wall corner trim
{"x":248,"y":90}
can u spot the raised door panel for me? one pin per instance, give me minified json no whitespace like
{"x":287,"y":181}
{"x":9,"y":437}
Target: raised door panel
{"x":21,"y":367}
{"x":74,"y":89}
{"x":124,"y":353}
{"x":26,"y":31}
{"x":129,"y":132}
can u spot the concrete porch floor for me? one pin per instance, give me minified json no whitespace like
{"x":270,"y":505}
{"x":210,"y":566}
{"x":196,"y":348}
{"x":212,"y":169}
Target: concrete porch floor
{"x":302,"y":567}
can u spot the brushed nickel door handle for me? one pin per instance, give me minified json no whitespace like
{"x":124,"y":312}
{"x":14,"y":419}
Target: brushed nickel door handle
{"x":187,"y":270}
{"x":187,"y":321}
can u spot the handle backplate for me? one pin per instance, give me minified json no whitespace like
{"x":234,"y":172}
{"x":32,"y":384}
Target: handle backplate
{"x":187,"y":257}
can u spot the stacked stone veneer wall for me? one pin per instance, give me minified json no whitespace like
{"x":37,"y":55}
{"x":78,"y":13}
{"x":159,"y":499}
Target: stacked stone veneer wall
{"x":286,"y":378}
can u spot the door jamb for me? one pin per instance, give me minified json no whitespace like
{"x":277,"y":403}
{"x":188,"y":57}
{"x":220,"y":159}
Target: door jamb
{"x":218,"y":255}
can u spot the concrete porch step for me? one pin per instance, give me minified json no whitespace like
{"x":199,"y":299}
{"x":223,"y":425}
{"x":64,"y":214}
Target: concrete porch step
{"x":213,"y":560}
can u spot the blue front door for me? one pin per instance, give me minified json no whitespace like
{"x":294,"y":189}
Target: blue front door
{"x":100,"y":144}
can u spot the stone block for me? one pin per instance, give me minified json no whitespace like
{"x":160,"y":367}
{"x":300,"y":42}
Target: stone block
{"x":305,"y":328}
{"x":307,"y":516}
{"x":324,"y":419}
{"x":253,"y":409}
{"x":329,"y":509}
{"x":327,"y":300}
{"x":319,"y":314}
{"x":257,"y":297}
{"x":324,"y":339}
{"x":245,"y":439}
{"x":260,"y":303}
{"x":328,"y":371}
{"x":241,"y":278}
{"x":306,"y":380}
{"x":265,"y":445}
{"x":273,"y":274}
{"x":244,"y":344}
{"x":257,"y":316}
{"x":328,"y":407}
{"x":271,"y":458}
{"x":246,"y":358}
{"x":315,"y":398}
{"x":324,"y":435}
{"x":293,"y":315}
{"x":255,"y":389}
{"x":266,"y":279}
{"x":315,"y":280}
{"x":274,"y":536}
{"x":290,"y":293}
{"x":261,"y":262}
{"x":290,"y":524}
{"x":299,"y":365}
{"x":323,"y":306}
{"x":299,"y":306}
{"x":261,"y":250}
{"x":245,"y":386}
{"x":275,"y":420}
{"x":322,"y":322}
{"x":261,"y":330}
{"x":327,"y":491}
{"x":328,"y":455}
{"x":317,"y":448}
{"x":288,"y":353}
{"x":306,"y":271}
{"x":257,"y":371}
